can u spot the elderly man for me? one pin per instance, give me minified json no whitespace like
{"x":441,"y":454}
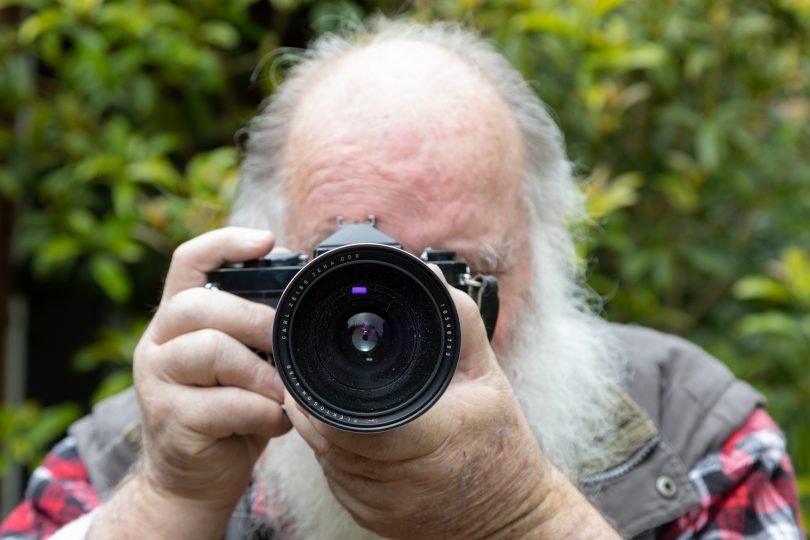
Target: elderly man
{"x":564,"y":426}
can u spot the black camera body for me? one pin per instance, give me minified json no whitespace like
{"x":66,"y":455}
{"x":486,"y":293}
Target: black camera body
{"x":366,"y":336}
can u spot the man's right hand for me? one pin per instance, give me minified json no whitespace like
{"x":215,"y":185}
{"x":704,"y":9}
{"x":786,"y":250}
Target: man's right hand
{"x":208,"y":403}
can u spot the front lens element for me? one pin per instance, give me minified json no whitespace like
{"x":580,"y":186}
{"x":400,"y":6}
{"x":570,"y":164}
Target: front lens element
{"x":366,"y":330}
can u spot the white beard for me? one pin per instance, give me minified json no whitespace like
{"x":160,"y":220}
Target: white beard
{"x":562,"y":366}
{"x":311,"y":509}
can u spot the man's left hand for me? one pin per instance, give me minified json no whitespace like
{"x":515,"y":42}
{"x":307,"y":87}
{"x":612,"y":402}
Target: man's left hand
{"x":468,"y":468}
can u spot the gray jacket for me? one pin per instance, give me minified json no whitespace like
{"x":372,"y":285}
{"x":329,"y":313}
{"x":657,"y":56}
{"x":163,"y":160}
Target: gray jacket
{"x":679,"y":404}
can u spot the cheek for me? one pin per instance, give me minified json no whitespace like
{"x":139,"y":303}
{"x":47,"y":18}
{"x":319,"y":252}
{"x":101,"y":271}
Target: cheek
{"x":504,"y":330}
{"x":512,"y":291}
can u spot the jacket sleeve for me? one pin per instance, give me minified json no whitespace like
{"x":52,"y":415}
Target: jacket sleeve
{"x":58,"y":493}
{"x":747,"y":488}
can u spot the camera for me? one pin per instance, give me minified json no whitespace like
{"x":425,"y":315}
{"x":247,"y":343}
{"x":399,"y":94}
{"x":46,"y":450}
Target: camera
{"x":366,"y":336}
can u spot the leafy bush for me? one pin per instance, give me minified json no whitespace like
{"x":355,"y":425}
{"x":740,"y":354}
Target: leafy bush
{"x":689,"y":120}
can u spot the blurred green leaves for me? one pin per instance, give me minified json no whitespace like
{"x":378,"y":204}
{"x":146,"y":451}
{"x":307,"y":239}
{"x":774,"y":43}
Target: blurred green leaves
{"x":777,"y":333}
{"x":788,"y":284}
{"x":607,"y":195}
{"x":116,"y":128}
{"x":126,"y":93}
{"x":689,"y":121}
{"x":111,"y":352}
{"x":27,"y":431}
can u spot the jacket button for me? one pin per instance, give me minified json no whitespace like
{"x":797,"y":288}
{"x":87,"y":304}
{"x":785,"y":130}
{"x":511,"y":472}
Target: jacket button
{"x":666,"y":487}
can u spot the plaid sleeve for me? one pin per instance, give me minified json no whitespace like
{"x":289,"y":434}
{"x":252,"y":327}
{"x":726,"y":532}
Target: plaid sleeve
{"x":58,"y":492}
{"x":747,"y":489}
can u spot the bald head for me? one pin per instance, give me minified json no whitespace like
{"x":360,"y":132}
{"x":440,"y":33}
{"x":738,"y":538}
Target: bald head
{"x":434,"y":132}
{"x":410,"y":132}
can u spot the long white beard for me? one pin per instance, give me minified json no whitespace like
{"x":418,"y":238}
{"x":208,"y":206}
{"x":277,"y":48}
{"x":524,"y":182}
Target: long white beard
{"x":562,"y":366}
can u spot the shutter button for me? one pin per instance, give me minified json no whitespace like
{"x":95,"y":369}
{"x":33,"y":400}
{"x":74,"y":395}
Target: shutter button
{"x":666,"y":487}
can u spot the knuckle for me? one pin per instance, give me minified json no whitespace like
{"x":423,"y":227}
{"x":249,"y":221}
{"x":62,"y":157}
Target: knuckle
{"x":182,"y":253}
{"x":161,"y":409}
{"x":186,"y":304}
{"x":212,"y":342}
{"x":193,"y":297}
{"x":157,"y":413}
{"x":142,"y":352}
{"x":145,"y":358}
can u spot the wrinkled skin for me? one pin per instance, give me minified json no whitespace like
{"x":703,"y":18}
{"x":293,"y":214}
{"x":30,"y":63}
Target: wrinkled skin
{"x":469,"y":467}
{"x":423,"y":478}
{"x":209,"y":404}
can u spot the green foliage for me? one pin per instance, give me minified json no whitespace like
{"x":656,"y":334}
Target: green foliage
{"x":115,"y":111}
{"x":776,"y":336}
{"x":116,"y":126}
{"x":112,"y":352}
{"x":27,"y":431}
{"x":689,"y":121}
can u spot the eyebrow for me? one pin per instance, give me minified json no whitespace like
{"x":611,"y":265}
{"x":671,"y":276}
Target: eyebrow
{"x":321,"y":233}
{"x":491,"y":259}
{"x":487,"y":258}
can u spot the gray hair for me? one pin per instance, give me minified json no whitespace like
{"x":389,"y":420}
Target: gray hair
{"x":260,"y":201}
{"x":575,"y":344}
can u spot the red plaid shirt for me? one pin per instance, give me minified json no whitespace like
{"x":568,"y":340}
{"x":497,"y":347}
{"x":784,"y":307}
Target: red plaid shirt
{"x":58,"y":492}
{"x":747,"y":491}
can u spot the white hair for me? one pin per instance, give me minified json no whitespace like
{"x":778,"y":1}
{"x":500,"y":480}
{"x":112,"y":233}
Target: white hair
{"x":260,"y":199}
{"x":561,"y":360}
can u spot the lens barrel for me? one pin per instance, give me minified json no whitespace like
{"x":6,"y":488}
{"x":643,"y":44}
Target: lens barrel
{"x":366,"y":337}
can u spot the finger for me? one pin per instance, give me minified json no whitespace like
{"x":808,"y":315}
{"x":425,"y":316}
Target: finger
{"x":199,"y":308}
{"x":338,"y":463}
{"x":213,"y":358}
{"x":304,"y":426}
{"x":222,"y":411}
{"x":416,"y":439}
{"x":336,"y":459}
{"x":211,"y":250}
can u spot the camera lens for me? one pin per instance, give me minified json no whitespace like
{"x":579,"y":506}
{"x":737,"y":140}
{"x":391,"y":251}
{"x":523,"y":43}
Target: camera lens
{"x":366,"y":330}
{"x":366,"y":337}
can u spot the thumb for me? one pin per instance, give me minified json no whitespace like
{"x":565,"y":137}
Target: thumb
{"x":477,"y":355}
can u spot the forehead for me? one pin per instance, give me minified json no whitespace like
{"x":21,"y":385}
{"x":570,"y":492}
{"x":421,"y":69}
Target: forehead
{"x":412,"y":134}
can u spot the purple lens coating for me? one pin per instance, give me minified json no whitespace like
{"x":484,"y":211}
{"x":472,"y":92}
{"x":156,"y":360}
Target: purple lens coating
{"x":359,"y":290}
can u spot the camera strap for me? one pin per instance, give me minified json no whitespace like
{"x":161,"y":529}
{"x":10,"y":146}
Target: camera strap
{"x":484,"y":290}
